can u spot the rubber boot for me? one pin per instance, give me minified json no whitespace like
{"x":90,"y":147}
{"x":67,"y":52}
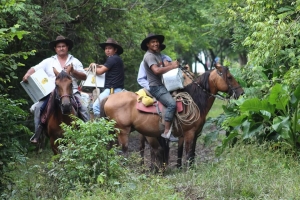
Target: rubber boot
{"x":35,"y":138}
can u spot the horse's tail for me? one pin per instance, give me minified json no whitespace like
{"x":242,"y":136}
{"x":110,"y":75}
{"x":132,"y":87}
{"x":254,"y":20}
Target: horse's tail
{"x":102,"y":111}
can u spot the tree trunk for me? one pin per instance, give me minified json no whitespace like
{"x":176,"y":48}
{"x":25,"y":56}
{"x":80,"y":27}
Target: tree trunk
{"x":243,"y":58}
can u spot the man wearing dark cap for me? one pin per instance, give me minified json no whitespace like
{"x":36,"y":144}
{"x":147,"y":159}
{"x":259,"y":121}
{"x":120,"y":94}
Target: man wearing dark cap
{"x":113,"y":69}
{"x":61,"y":46}
{"x":154,"y":67}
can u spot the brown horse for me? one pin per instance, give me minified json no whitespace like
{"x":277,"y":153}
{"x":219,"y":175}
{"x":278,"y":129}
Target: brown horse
{"x":159,"y":149}
{"x":121,"y":107}
{"x":60,"y":108}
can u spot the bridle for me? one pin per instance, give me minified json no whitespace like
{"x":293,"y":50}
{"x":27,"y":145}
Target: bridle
{"x":218,"y":96}
{"x":59,"y":98}
{"x":71,"y":97}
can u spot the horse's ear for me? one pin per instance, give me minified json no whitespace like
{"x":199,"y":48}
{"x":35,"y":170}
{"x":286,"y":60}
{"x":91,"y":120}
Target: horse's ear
{"x":219,"y":67}
{"x":55,"y":72}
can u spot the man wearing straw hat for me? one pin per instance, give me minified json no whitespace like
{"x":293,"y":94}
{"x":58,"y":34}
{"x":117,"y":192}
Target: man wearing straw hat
{"x":61,"y":46}
{"x":155,"y":67}
{"x":114,"y":72}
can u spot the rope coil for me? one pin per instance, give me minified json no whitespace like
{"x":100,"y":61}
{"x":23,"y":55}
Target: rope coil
{"x":190,"y":113}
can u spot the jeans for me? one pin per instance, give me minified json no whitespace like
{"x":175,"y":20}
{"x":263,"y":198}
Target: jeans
{"x":105,"y":93}
{"x":83,"y":110}
{"x":163,"y":95}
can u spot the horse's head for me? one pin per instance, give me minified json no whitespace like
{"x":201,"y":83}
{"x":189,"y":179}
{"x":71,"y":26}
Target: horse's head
{"x":64,"y":91}
{"x":224,"y":81}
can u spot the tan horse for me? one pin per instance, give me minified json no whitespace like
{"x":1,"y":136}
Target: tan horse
{"x":121,"y":107}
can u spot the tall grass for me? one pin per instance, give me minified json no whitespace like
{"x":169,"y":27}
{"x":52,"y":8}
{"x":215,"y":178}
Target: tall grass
{"x":244,"y":172}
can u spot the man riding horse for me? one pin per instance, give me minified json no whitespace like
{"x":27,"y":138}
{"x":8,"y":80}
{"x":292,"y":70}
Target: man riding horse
{"x":60,"y":61}
{"x":155,"y":67}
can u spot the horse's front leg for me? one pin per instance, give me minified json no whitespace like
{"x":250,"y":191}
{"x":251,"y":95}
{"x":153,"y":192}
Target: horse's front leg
{"x":123,"y":140}
{"x":54,"y":145}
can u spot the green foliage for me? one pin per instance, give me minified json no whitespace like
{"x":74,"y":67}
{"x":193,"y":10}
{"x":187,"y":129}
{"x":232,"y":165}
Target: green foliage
{"x":86,"y":157}
{"x":243,"y":172}
{"x":275,"y":118}
{"x":11,"y":128}
{"x":9,"y":34}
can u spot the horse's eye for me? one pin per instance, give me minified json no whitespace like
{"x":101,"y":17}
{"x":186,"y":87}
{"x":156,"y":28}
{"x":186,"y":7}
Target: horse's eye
{"x":229,"y":77}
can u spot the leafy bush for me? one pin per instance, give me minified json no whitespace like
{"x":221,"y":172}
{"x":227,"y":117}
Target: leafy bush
{"x":276,"y":118}
{"x":10,"y":130}
{"x":87,"y":157}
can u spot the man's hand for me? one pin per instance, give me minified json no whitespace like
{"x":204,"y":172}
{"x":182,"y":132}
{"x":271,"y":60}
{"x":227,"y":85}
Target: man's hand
{"x":29,"y":72}
{"x":25,"y":78}
{"x":69,"y":69}
{"x":175,"y":64}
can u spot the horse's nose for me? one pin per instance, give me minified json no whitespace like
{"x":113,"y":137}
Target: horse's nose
{"x":66,"y":108}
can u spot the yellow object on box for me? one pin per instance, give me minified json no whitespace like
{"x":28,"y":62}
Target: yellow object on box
{"x":142,"y":96}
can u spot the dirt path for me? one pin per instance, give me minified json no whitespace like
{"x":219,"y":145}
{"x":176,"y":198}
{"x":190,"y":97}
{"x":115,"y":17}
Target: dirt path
{"x":203,"y":153}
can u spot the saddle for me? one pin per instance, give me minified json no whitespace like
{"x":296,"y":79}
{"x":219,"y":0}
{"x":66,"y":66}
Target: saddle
{"x":147,"y":103}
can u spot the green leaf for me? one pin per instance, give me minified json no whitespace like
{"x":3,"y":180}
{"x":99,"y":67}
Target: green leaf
{"x":250,"y":130}
{"x":279,"y":97}
{"x":236,"y":121}
{"x":297,"y":92}
{"x":256,"y":105}
{"x":282,"y":126}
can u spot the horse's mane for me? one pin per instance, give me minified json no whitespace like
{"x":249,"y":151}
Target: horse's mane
{"x":195,"y":89}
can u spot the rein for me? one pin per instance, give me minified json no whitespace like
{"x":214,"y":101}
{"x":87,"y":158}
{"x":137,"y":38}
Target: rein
{"x":218,"y":96}
{"x":72,"y":99}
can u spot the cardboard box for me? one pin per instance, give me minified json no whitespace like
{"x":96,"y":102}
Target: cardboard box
{"x":173,"y":79}
{"x":38,"y":86}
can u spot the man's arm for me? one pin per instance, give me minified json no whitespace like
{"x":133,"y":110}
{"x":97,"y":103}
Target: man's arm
{"x":29,"y":73}
{"x":33,"y":69}
{"x":161,"y":70}
{"x":101,"y":69}
{"x":142,"y":77}
{"x":77,"y":73}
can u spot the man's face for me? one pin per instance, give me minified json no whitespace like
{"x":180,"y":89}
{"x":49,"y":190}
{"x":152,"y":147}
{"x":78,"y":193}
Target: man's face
{"x":61,"y":49}
{"x":153,"y":45}
{"x":110,"y":50}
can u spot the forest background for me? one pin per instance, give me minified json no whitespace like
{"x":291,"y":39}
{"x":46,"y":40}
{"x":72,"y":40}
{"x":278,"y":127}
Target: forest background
{"x":258,"y":40}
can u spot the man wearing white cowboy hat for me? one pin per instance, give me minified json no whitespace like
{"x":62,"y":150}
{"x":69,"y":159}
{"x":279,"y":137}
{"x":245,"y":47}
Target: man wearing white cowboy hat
{"x":113,"y":69}
{"x":155,"y":67}
{"x":60,"y":61}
